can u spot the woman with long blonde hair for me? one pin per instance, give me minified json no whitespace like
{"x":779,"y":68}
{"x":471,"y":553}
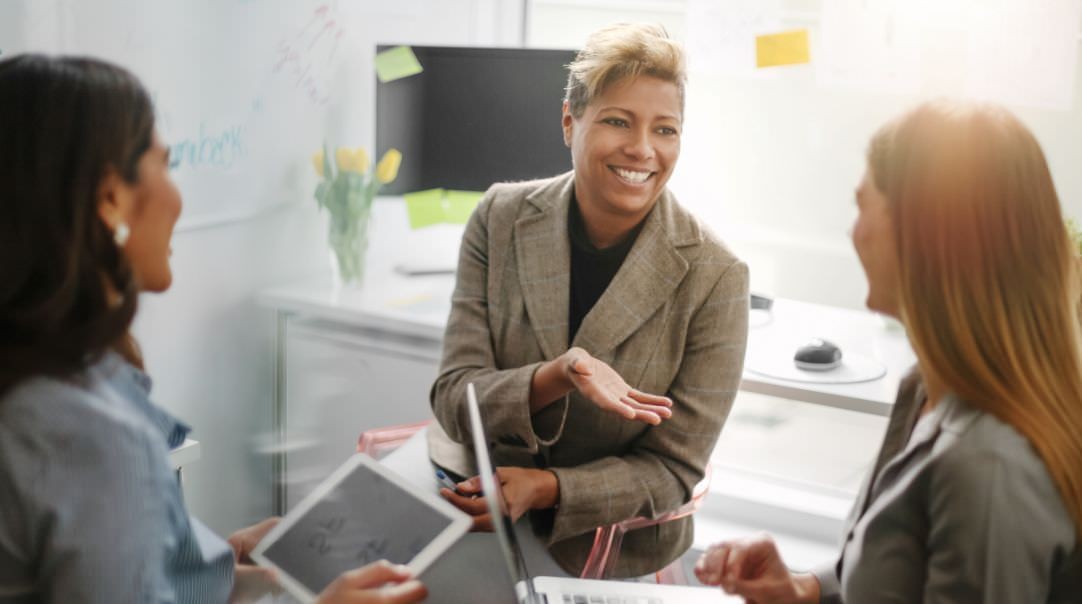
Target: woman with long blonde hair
{"x":977,"y":493}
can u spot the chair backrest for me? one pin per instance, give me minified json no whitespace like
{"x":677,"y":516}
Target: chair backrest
{"x":605,"y":552}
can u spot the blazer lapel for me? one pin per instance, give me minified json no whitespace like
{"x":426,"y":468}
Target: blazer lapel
{"x":646,"y":280}
{"x":903,"y":417}
{"x":543,"y":256}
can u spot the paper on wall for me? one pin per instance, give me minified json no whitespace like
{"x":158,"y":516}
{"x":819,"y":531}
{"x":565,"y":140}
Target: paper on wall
{"x":721,"y":35}
{"x":869,"y":45}
{"x":1025,"y":53}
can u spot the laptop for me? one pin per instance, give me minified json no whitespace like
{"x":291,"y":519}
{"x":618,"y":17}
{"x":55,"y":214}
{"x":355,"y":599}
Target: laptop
{"x":565,"y":590}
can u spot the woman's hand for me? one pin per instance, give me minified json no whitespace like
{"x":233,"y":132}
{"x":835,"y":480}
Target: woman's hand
{"x":378,"y":583}
{"x":251,"y":582}
{"x":753,"y":569}
{"x":523,"y":489}
{"x":245,"y":540}
{"x":605,"y":388}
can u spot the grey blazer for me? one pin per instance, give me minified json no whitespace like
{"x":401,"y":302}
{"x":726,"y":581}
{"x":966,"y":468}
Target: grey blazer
{"x":673,"y":321}
{"x":959,"y":510}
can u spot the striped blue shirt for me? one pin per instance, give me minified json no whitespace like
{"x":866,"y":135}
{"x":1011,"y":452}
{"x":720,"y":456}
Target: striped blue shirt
{"x":90,"y":510}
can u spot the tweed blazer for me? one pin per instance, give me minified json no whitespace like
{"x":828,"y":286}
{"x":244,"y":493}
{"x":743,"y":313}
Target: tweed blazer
{"x":962,"y":510}
{"x":672,"y":321}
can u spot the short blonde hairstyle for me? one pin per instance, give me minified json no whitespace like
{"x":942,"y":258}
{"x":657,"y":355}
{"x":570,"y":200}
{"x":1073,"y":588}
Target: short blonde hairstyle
{"x":619,"y":51}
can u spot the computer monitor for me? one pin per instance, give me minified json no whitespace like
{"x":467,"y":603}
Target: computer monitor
{"x":474,"y":116}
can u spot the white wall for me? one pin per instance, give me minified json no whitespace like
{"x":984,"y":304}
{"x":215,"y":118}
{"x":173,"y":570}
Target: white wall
{"x":771,"y":163}
{"x":208,"y":346}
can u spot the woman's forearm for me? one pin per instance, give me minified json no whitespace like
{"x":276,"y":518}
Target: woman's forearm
{"x":550,"y":384}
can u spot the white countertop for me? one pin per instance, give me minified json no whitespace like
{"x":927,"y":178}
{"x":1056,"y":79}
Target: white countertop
{"x":185,"y":454}
{"x":419,"y":306}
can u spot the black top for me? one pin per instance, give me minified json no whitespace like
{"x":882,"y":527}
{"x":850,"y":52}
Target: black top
{"x":592,"y":269}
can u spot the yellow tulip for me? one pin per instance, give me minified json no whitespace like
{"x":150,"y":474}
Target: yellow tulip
{"x":387,"y":170}
{"x":352,"y":160}
{"x":360,"y":160}
{"x":343,"y":157}
{"x":317,"y":163}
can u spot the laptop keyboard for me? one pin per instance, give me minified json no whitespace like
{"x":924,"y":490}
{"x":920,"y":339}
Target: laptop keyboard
{"x":581,"y":599}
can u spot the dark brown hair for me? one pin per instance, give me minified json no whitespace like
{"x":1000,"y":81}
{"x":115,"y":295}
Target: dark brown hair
{"x":64,"y":123}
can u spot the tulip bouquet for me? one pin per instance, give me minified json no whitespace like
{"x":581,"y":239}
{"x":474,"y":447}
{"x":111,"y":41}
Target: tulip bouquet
{"x":346,"y":191}
{"x":1076,"y":234}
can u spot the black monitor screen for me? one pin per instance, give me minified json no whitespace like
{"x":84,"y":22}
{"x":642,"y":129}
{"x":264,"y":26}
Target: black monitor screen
{"x":475,"y":116}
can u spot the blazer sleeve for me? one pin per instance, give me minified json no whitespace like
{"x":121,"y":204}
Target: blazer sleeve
{"x":468,"y":354}
{"x":996,"y":531}
{"x":830,"y":590}
{"x":659,"y":472}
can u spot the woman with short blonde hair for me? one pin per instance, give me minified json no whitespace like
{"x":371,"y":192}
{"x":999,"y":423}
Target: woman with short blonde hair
{"x":603,"y":326}
{"x":619,"y":52}
{"x":977,"y":492}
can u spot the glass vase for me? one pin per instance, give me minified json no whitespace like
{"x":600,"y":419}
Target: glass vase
{"x":348,"y":240}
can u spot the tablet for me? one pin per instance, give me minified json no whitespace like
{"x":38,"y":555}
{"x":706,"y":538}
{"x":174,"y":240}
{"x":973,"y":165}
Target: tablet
{"x":360,"y":514}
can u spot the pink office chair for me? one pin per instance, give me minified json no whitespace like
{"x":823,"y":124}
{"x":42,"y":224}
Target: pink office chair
{"x":378,"y":442}
{"x":605,"y":552}
{"x":607,"y":539}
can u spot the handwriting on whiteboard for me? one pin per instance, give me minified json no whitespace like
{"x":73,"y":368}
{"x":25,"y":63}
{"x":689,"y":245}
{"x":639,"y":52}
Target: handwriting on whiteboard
{"x":306,"y":58}
{"x":218,"y":149}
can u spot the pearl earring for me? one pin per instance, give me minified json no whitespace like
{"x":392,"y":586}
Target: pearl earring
{"x":121,"y":234}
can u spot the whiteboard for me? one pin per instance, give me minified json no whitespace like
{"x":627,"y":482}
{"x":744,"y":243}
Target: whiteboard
{"x":244,"y":89}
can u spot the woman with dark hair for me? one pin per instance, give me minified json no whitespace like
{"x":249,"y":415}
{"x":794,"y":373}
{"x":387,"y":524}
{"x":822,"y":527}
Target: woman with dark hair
{"x":90,"y":510}
{"x":976,"y":495}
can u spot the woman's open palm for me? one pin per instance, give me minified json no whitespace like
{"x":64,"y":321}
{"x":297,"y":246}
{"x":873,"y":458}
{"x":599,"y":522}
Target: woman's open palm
{"x":603,"y":386}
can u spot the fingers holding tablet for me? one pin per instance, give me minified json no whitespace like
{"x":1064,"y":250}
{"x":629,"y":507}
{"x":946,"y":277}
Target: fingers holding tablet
{"x":377,"y":583}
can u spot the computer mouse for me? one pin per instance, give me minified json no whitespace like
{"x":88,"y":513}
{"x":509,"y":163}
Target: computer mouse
{"x":818,"y":355}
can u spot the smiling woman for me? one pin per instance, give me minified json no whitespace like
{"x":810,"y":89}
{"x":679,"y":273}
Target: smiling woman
{"x":602,"y":325}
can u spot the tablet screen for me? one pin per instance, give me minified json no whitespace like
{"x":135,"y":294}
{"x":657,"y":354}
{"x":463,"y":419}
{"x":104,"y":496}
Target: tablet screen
{"x":363,"y":518}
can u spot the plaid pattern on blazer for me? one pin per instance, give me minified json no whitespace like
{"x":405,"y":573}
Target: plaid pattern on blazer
{"x":673,"y":321}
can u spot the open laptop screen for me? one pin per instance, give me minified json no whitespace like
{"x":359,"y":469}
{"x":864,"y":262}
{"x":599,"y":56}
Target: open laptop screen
{"x":501,"y":520}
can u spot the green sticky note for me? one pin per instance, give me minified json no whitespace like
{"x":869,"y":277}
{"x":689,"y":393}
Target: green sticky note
{"x":397,"y":63}
{"x":425,"y":208}
{"x":460,"y":204}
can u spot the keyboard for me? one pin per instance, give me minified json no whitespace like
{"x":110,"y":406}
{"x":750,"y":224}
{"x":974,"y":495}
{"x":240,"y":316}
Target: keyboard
{"x":595,"y":599}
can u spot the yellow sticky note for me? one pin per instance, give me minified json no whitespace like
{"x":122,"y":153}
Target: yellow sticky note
{"x":460,"y":204}
{"x":397,"y":63}
{"x":785,"y":48}
{"x":425,"y":208}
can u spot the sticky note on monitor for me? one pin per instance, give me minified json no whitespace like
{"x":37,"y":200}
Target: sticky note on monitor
{"x":460,"y":204}
{"x":440,"y":206}
{"x":397,"y":63}
{"x":425,"y":208}
{"x":785,"y":48}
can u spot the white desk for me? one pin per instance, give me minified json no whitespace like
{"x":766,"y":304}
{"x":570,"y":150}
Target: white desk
{"x":413,"y":312}
{"x":185,"y":454}
{"x":418,"y":306}
{"x":188,"y":452}
{"x":792,"y":323}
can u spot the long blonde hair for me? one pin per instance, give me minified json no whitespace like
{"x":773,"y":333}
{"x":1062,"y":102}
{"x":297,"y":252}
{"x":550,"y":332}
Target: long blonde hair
{"x":989,"y":280}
